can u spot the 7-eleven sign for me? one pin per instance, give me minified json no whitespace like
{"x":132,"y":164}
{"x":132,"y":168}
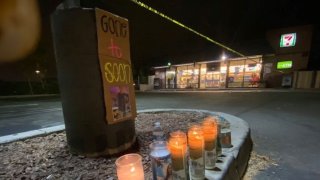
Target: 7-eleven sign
{"x":288,"y":40}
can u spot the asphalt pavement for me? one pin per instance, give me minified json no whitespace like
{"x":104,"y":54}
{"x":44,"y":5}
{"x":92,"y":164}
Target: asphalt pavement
{"x":285,"y":125}
{"x":29,"y":113}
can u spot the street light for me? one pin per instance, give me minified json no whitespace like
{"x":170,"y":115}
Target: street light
{"x":223,"y":57}
{"x":169,"y":63}
{"x":38,"y":74}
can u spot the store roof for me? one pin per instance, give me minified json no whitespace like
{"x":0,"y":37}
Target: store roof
{"x":210,"y":61}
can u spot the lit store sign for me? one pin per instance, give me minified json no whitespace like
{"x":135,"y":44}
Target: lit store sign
{"x":284,"y":65}
{"x":288,"y":40}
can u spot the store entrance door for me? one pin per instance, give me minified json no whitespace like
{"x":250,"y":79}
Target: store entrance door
{"x":213,"y":80}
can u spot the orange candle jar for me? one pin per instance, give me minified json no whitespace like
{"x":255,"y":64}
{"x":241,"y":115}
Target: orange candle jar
{"x":177,"y":146}
{"x":196,"y":151}
{"x":210,"y":133}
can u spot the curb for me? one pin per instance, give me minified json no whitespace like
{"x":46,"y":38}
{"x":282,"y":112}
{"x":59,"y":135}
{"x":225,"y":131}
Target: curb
{"x":29,"y":96}
{"x":29,"y":134}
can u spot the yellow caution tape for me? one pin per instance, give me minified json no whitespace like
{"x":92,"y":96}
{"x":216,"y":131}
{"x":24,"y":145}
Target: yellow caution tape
{"x":184,"y":26}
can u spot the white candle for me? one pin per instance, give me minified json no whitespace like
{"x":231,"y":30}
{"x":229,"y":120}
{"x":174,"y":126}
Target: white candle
{"x":129,"y":166}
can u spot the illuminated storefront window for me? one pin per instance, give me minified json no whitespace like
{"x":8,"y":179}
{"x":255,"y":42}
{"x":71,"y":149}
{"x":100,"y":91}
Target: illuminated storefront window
{"x":252,"y":73}
{"x":235,"y":78}
{"x":213,"y":75}
{"x":244,"y":72}
{"x":188,"y":76}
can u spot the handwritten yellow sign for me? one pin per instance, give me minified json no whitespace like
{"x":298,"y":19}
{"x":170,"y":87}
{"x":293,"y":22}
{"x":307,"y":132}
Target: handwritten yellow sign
{"x":115,"y":66}
{"x":117,"y":72}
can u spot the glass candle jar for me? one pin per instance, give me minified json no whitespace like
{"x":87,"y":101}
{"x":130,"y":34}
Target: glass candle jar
{"x":196,"y":152}
{"x":130,"y":166}
{"x":177,"y":146}
{"x":225,"y":133}
{"x":210,"y":132}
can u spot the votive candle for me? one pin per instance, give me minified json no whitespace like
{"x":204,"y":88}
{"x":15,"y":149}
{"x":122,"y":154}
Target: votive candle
{"x":210,"y":133}
{"x":196,"y":150}
{"x":178,"y":149}
{"x":129,"y":166}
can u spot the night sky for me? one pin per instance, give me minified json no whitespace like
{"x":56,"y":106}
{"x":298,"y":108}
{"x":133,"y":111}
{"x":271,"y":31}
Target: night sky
{"x":239,"y":24}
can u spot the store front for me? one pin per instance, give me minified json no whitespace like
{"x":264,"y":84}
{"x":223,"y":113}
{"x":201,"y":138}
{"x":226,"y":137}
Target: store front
{"x":238,"y":72}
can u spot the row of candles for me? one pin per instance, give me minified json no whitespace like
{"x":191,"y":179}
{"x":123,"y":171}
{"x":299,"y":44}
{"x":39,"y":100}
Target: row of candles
{"x":181,"y":157}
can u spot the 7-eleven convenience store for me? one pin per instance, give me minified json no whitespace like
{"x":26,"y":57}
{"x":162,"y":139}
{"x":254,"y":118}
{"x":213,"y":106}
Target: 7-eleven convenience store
{"x":228,"y":73}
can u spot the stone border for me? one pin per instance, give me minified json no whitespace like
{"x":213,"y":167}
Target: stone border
{"x":234,"y":162}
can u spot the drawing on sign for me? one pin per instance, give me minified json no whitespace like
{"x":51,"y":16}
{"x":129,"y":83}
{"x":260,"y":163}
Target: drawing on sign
{"x":115,"y":67}
{"x":115,"y":50}
{"x":121,"y":107}
{"x":288,"y":40}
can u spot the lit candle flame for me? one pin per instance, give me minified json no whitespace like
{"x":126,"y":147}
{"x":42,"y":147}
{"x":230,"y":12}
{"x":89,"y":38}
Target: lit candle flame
{"x":132,"y":169}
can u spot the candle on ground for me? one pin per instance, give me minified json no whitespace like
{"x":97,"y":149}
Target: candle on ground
{"x":196,"y":152}
{"x":210,"y":132}
{"x":129,"y":166}
{"x":178,"y":149}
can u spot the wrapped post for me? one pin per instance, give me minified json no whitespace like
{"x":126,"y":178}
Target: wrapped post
{"x":96,"y":84}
